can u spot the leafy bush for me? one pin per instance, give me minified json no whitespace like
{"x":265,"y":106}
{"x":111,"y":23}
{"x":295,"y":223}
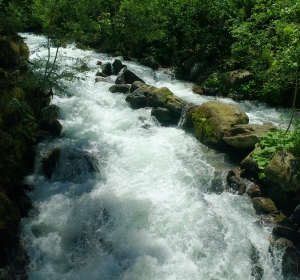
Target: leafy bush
{"x":274,"y":141}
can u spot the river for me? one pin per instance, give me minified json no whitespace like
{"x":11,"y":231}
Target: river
{"x":150,"y":212}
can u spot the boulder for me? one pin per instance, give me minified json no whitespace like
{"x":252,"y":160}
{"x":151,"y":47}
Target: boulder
{"x":284,"y":170}
{"x":263,"y":205}
{"x":289,"y":262}
{"x":49,"y":162}
{"x":198,"y":90}
{"x":150,"y":62}
{"x":245,"y":136}
{"x":126,"y":76}
{"x":254,"y":191}
{"x":119,"y":88}
{"x":136,"y":85}
{"x":212,"y":119}
{"x":163,"y":97}
{"x":212,"y":91}
{"x":70,"y":164}
{"x":189,"y":64}
{"x":75,"y":165}
{"x":287,"y":231}
{"x":49,"y":122}
{"x":107,"y":69}
{"x":164,"y":116}
{"x":249,"y":165}
{"x":239,"y":77}
{"x":117,"y":66}
{"x":148,"y":96}
{"x":197,"y":70}
{"x":138,"y":98}
{"x":236,"y":183}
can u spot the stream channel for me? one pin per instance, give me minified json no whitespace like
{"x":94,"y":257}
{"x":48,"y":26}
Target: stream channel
{"x":149,"y":213}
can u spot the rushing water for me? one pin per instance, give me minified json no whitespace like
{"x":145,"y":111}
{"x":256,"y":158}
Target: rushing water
{"x":150,"y":212}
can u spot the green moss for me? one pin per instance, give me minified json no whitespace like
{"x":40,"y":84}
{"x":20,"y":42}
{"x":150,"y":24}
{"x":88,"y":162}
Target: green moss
{"x":18,"y":93}
{"x":203,"y":127}
{"x":164,"y":94}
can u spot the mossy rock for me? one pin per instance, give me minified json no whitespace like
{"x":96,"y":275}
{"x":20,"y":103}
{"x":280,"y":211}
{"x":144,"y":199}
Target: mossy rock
{"x":212,"y":119}
{"x":163,"y":97}
{"x":18,"y":93}
{"x":12,"y":53}
{"x":9,"y":218}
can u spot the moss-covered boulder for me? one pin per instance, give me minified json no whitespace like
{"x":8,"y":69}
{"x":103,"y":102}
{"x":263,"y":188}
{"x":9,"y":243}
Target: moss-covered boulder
{"x":12,"y":52}
{"x":212,"y":119}
{"x":163,"y":97}
{"x":49,"y":121}
{"x":284,"y":170}
{"x":49,"y":162}
{"x":148,"y":96}
{"x":139,"y":97}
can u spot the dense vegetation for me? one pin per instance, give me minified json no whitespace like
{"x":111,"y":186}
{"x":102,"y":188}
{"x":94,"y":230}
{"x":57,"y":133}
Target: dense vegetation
{"x":21,"y":101}
{"x":259,"y":36}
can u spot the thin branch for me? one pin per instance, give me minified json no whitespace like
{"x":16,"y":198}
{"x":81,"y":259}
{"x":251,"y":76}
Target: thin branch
{"x":294,"y":100}
{"x":55,"y":58}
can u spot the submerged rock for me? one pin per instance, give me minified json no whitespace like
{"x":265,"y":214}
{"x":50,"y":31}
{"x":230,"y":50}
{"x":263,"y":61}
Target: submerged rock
{"x":49,"y":122}
{"x":69,"y":164}
{"x":164,"y":116}
{"x":49,"y":162}
{"x":289,"y":261}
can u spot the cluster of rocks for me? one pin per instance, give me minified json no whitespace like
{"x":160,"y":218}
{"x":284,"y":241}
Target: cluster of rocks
{"x":224,"y":126}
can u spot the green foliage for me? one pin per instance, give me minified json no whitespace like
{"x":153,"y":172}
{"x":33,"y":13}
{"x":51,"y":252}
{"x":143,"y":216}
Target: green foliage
{"x":267,"y":43}
{"x":274,"y":141}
